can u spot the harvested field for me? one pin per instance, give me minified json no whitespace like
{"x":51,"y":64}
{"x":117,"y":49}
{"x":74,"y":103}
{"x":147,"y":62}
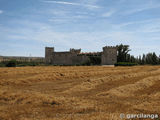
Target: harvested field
{"x":78,"y":93}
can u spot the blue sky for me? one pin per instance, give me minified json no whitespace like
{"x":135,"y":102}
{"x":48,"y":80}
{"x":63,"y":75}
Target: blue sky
{"x":27,"y":26}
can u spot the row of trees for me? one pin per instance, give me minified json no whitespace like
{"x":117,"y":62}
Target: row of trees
{"x":124,"y":56}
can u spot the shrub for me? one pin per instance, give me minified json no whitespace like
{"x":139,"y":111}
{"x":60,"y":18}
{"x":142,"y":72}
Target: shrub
{"x":95,"y":60}
{"x":2,"y":64}
{"x":125,"y":64}
{"x":11,"y":63}
{"x":87,"y":63}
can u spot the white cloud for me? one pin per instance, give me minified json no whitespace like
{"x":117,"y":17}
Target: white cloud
{"x":58,"y":12}
{"x":66,"y":19}
{"x":57,"y":20}
{"x":152,"y":27}
{"x":109,"y":13}
{"x":88,"y":41}
{"x":144,"y":25}
{"x":61,"y":2}
{"x":142,"y":8}
{"x":74,"y":4}
{"x":1,"y":11}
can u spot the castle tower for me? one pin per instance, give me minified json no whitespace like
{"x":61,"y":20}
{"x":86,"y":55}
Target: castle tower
{"x":48,"y":54}
{"x":77,"y":51}
{"x":109,"y":55}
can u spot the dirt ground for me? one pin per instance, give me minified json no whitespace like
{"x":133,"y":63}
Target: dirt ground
{"x":78,"y":93}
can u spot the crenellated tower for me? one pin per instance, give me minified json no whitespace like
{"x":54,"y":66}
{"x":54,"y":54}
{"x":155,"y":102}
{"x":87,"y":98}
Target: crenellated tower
{"x":48,"y":54}
{"x":109,"y":55}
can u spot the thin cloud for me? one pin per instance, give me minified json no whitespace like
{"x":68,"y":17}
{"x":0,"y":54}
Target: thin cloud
{"x":67,"y":19}
{"x":142,"y":22}
{"x":145,"y":26}
{"x":141,"y":9}
{"x":1,"y":11}
{"x":109,"y":13}
{"x":61,"y":2}
{"x":71,"y":3}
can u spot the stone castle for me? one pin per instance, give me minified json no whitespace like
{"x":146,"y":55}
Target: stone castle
{"x":75,"y":56}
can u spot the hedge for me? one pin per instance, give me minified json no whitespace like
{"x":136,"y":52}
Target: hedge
{"x":125,"y":64}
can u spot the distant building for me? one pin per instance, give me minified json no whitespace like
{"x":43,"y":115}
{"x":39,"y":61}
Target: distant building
{"x":74,"y":56}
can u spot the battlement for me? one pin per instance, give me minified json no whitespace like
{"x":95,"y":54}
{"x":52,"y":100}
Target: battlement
{"x":72,"y":50}
{"x":110,"y":47}
{"x":91,"y":53}
{"x":50,"y":48}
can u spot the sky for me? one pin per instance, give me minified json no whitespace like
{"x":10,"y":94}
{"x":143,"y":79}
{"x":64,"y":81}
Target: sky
{"x":28,"y":26}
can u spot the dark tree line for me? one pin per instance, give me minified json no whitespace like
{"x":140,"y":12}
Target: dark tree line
{"x":124,"y":56}
{"x":150,"y":58}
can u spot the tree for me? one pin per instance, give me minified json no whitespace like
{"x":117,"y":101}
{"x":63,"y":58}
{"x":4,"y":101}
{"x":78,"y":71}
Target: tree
{"x":143,"y":59}
{"x":122,"y":53}
{"x":128,"y":58}
{"x":139,"y":60}
{"x":154,"y":59}
{"x":151,"y":58}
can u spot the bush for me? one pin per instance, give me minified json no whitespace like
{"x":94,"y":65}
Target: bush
{"x":2,"y":64}
{"x":11,"y":63}
{"x":14,"y":63}
{"x":95,"y":60}
{"x":125,"y":64}
{"x":87,"y":63}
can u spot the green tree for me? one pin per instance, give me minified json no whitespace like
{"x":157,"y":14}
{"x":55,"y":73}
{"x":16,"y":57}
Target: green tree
{"x":144,"y":59}
{"x":122,"y":52}
{"x":154,"y":59}
{"x":139,"y":60}
{"x":149,"y":58}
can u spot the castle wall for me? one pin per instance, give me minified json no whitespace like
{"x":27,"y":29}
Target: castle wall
{"x":67,"y":58}
{"x":80,"y":59}
{"x":62,"y":58}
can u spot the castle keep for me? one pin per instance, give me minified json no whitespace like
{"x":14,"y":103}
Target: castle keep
{"x":75,"y":56}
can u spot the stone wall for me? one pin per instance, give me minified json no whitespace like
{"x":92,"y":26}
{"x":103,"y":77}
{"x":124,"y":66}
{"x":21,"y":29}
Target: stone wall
{"x":48,"y":54}
{"x":67,"y":58}
{"x":109,"y":56}
{"x":72,"y":57}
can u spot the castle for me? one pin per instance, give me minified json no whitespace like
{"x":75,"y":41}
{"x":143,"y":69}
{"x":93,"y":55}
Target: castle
{"x":75,"y":56}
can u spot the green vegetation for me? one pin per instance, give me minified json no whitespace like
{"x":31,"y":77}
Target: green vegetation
{"x":2,"y":64}
{"x":14,"y":63}
{"x":93,"y":60}
{"x":125,"y":64}
{"x":11,"y":63}
{"x":150,"y":58}
{"x":122,"y":53}
{"x":125,"y":59}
